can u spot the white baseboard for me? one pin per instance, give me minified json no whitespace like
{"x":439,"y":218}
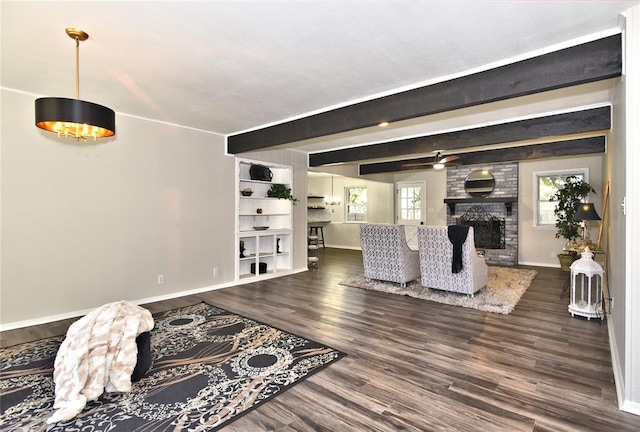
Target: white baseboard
{"x":538,"y":264}
{"x":44,"y":320}
{"x":630,"y":407}
{"x":80,"y":313}
{"x":615,"y":364}
{"x":624,"y":405}
{"x":344,"y":247}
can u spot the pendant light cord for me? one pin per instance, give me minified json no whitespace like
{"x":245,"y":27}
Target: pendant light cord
{"x":77,"y":68}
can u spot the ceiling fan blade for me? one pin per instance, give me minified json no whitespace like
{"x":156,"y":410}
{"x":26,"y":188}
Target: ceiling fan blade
{"x":449,"y":158}
{"x":446,"y":160}
{"x":417,"y":164}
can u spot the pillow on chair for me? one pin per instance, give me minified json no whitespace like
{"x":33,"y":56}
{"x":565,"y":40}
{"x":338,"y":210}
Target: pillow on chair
{"x":144,"y":356}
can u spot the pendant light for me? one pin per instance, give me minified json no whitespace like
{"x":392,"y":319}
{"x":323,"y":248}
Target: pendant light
{"x":332,"y":199}
{"x":74,"y":117}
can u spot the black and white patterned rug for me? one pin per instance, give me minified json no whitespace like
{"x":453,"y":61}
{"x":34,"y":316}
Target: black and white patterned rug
{"x":210,"y":366}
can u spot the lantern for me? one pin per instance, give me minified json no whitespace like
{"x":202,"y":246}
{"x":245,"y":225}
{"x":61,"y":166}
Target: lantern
{"x":586,"y":287}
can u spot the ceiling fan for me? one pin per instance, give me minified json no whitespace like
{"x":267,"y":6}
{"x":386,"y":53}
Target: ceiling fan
{"x":438,"y":162}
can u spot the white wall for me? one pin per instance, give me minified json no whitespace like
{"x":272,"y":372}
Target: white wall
{"x":615,"y":237}
{"x":84,"y":224}
{"x":538,"y":246}
{"x":632,"y":227}
{"x":623,"y":236}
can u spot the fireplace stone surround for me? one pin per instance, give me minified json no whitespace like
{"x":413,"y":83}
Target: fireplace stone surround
{"x":502,"y":203}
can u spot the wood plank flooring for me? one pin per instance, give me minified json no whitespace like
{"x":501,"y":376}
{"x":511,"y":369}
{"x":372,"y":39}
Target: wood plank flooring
{"x":414,"y":365}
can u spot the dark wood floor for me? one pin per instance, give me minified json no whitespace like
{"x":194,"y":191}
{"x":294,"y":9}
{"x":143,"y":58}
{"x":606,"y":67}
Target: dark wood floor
{"x":413,"y":365}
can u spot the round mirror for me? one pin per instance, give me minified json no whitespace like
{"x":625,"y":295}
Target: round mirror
{"x":479,"y":184}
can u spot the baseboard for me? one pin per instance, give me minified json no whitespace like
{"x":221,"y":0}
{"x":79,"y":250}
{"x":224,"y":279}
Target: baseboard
{"x":44,"y":320}
{"x":624,"y":405}
{"x":538,"y":264}
{"x":80,"y":313}
{"x":615,"y":364}
{"x":343,"y":247}
{"x":630,"y":407}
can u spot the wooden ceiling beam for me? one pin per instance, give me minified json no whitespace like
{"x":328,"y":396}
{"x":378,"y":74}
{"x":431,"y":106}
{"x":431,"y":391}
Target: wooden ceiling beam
{"x":590,"y":120}
{"x":581,"y":146}
{"x":589,"y":62}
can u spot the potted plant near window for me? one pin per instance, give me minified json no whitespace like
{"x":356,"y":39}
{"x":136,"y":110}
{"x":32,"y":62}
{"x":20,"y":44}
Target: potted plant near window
{"x":281,"y":191}
{"x":575,"y":190}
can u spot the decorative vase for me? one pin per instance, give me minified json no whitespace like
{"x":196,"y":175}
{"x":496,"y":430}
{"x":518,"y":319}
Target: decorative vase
{"x":242,"y":249}
{"x":278,"y":245}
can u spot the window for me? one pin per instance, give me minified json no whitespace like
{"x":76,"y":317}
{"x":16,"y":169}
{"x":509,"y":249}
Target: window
{"x":410,"y":203}
{"x":547,"y":184}
{"x":356,"y":208}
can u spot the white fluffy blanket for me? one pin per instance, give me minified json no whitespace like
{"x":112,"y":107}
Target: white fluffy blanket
{"x":98,"y":354}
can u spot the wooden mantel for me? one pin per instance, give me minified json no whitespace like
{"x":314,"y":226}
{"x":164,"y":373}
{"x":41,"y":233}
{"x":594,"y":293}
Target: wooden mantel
{"x":508,"y":202}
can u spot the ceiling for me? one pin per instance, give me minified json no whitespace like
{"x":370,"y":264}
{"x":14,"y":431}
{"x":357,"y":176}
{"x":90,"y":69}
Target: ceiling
{"x":232,"y":66}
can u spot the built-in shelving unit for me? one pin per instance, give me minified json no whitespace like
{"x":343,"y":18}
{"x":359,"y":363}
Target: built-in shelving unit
{"x":314,"y":203}
{"x":263,"y":224}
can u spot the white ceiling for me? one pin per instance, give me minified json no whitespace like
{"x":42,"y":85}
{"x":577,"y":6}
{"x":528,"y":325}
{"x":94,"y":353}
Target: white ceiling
{"x":230,"y":66}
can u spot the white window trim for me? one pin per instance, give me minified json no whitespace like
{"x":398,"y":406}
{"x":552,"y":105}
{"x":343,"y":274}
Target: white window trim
{"x":536,"y":174}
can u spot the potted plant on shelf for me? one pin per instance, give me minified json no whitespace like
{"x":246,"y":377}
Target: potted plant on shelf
{"x":282,"y":192}
{"x":575,"y":190}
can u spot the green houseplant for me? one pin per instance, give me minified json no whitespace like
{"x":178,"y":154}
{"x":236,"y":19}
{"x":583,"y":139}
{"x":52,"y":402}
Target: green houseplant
{"x":280,"y":191}
{"x":574,"y":191}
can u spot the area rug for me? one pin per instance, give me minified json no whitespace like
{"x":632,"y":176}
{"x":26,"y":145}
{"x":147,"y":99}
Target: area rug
{"x":210,"y":366}
{"x":503,"y":291}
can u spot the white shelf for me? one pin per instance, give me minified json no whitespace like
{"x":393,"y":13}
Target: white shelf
{"x":264,"y":214}
{"x":248,"y":180}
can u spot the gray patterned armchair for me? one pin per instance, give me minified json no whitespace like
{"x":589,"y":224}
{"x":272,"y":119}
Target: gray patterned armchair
{"x":436,"y":254}
{"x":385,"y":254}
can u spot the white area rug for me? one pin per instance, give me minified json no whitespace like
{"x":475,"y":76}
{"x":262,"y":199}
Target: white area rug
{"x":505,"y":288}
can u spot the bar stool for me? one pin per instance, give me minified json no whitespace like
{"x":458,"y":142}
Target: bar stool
{"x":313,"y":256}
{"x":319,"y":233}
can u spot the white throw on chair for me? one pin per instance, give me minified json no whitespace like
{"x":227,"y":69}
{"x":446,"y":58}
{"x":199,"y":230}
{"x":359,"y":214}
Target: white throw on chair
{"x":436,"y":255}
{"x":385,"y":254}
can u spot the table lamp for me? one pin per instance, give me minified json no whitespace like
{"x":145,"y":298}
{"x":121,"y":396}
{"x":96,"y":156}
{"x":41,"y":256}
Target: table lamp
{"x":586,"y":212}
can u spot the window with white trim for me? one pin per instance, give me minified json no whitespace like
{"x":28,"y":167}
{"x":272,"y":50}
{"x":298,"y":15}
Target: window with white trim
{"x":547,"y":184}
{"x":356,"y":204}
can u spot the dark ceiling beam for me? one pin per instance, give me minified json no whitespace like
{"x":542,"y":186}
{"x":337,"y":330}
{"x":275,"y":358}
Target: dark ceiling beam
{"x":590,"y":120}
{"x":581,"y":146}
{"x":589,"y":62}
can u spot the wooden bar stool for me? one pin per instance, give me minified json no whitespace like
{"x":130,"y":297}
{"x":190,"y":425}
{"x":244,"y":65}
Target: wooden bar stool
{"x":313,"y":258}
{"x":318,"y":232}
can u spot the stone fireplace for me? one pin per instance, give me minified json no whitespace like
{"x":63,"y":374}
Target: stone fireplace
{"x":494,"y":218}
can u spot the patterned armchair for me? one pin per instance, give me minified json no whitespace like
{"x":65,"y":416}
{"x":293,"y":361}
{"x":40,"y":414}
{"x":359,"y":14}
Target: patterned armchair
{"x":385,"y":254}
{"x":436,"y":254}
